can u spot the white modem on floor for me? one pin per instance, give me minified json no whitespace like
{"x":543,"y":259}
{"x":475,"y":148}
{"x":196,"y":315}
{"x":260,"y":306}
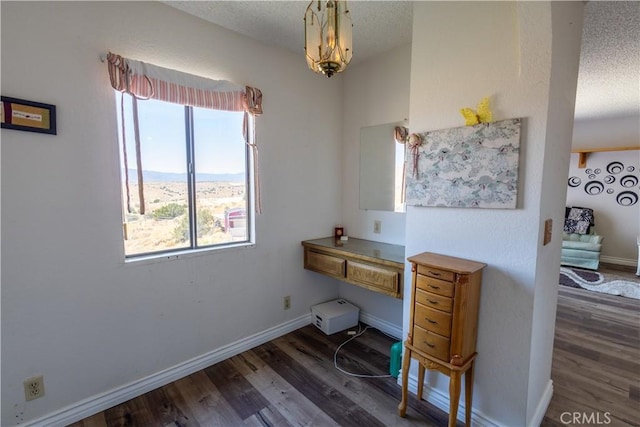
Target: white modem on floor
{"x":335,"y":316}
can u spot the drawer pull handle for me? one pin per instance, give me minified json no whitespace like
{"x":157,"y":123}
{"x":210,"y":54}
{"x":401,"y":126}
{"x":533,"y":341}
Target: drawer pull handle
{"x":428,"y":344}
{"x":434,"y":287}
{"x":434,"y":273}
{"x":430,"y":301}
{"x":430,"y":321}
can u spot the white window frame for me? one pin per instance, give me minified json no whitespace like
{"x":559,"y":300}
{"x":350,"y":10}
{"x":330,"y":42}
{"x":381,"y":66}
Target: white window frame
{"x":193,"y":249}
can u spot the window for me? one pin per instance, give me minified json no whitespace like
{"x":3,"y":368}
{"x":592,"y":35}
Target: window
{"x":195,"y":170}
{"x":192,"y":140}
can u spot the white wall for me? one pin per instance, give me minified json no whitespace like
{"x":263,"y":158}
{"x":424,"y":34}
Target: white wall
{"x":375,"y":92}
{"x":620,"y":225}
{"x":616,"y":131}
{"x":462,"y":52}
{"x":566,"y":30}
{"x":72,"y":310}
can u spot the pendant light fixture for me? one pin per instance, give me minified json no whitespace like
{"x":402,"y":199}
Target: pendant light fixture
{"x":328,"y":44}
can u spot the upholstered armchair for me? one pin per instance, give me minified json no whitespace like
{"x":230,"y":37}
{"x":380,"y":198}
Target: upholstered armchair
{"x":581,"y":245}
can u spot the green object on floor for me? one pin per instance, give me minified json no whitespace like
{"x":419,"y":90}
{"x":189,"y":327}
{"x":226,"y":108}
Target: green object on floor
{"x":395,"y":359}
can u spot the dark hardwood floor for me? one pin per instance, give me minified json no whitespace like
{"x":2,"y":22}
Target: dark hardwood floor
{"x":623,"y":270}
{"x":596,"y":358}
{"x":291,"y":380}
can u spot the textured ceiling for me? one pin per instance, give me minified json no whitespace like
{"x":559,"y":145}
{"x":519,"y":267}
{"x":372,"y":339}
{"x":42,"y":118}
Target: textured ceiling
{"x":609,"y":77}
{"x":378,"y":26}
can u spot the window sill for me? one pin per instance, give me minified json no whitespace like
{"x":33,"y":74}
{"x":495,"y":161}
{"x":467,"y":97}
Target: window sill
{"x":187,"y":253}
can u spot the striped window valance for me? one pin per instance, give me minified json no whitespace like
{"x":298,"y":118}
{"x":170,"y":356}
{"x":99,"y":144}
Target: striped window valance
{"x":146,"y":81}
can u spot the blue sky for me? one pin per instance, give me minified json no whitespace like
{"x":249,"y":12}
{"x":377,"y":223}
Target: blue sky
{"x":219,"y":145}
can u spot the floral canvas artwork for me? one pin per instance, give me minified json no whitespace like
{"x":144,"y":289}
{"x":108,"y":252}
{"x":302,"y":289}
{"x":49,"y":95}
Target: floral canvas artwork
{"x":469,"y":167}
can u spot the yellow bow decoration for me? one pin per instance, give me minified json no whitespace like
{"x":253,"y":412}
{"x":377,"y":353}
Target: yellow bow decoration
{"x":483,"y":115}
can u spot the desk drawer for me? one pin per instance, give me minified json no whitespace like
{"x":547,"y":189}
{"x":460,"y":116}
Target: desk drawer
{"x":372,"y":276}
{"x":434,"y":300}
{"x":431,"y":343}
{"x":433,"y":320}
{"x":435,"y":286}
{"x":436,"y":273}
{"x":324,"y":263}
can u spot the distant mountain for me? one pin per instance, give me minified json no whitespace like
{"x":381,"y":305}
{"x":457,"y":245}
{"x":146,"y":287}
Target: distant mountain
{"x":154,"y":176}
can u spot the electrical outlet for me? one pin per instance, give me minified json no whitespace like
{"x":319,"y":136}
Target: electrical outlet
{"x":287,"y":302}
{"x":377,"y":226}
{"x":34,"y":387}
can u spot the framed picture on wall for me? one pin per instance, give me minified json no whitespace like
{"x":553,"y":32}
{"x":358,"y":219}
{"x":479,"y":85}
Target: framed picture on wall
{"x":20,"y":114}
{"x":466,"y":167}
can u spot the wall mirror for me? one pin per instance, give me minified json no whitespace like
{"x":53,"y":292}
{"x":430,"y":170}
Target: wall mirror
{"x":381,"y":165}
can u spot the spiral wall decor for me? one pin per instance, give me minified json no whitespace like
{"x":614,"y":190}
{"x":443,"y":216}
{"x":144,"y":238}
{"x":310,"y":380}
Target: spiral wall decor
{"x":625,"y":185}
{"x":574,"y":181}
{"x":615,"y":167}
{"x":594,"y":187}
{"x":627,"y":198}
{"x":628,"y":181}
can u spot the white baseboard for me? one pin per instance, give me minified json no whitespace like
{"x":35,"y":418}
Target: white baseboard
{"x":103,"y":401}
{"x":384,"y":326}
{"x":619,"y":261}
{"x":441,"y":401}
{"x":543,"y":405}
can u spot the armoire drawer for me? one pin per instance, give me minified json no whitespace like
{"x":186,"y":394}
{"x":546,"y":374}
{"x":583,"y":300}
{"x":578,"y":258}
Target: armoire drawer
{"x":430,"y":343}
{"x":436,"y":273}
{"x":432,"y":300}
{"x":433,"y":320}
{"x":435,"y":286}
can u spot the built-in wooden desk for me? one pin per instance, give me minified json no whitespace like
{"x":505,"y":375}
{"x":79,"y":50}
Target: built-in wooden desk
{"x":372,"y":265}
